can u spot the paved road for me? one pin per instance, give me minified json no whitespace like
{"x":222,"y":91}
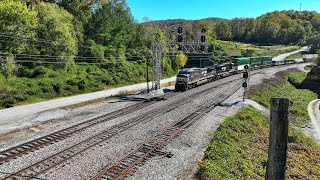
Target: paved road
{"x":284,"y":56}
{"x":314,"y":113}
{"x":26,"y":110}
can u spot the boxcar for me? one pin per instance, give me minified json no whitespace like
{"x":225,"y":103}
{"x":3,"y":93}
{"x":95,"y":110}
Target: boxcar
{"x":266,"y":60}
{"x":239,"y":63}
{"x":256,"y":62}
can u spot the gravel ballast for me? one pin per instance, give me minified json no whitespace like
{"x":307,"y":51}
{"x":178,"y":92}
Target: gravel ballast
{"x":188,"y":148}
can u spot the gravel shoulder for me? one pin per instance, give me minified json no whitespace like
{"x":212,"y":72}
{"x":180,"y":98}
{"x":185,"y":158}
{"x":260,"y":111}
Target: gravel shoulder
{"x":26,"y":116}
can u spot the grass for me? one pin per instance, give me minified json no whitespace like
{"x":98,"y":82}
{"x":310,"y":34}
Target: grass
{"x":168,"y":84}
{"x":41,"y":83}
{"x":235,"y":48}
{"x":295,"y":56}
{"x":239,"y":148}
{"x":280,"y":87}
{"x":314,"y":74}
{"x":308,"y":67}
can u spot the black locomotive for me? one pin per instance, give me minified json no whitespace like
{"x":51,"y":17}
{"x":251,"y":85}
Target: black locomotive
{"x":192,"y":77}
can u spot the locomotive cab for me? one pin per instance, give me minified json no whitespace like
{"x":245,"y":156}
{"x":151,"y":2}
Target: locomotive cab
{"x":185,"y":77}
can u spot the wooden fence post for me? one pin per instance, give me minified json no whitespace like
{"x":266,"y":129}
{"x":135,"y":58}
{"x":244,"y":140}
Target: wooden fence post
{"x":278,"y":139}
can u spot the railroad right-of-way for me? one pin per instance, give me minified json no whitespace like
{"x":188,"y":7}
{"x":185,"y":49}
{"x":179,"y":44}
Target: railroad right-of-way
{"x":46,"y":158}
{"x":116,"y":143}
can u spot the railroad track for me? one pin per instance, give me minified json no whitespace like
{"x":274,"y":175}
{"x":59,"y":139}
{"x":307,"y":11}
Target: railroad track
{"x":41,"y":142}
{"x":33,"y":145}
{"x":153,"y":145}
{"x":60,"y":157}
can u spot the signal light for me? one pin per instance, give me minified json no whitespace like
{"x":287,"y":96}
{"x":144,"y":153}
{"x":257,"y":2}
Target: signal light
{"x":203,"y":30}
{"x":179,"y":38}
{"x":203,"y":38}
{"x":245,"y":85}
{"x":179,"y":48}
{"x":202,"y":48}
{"x":245,"y":75}
{"x":179,"y":30}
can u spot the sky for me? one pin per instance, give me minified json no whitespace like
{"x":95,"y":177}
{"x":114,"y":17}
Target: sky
{"x":199,"y":9}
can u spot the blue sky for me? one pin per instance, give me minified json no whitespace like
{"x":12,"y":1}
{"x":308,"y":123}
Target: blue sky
{"x":199,"y":9}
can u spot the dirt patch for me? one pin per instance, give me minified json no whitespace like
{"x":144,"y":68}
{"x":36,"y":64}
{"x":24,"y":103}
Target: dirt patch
{"x":83,"y":104}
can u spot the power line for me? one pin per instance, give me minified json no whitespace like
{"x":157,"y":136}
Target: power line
{"x":76,"y":58}
{"x":54,"y":57}
{"x":41,"y":40}
{"x":41,"y":46}
{"x":65,"y":62}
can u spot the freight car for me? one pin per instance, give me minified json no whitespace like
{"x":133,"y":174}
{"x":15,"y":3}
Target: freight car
{"x":266,"y":61}
{"x":256,"y":62}
{"x":239,"y":63}
{"x":278,"y":62}
{"x":289,"y":61}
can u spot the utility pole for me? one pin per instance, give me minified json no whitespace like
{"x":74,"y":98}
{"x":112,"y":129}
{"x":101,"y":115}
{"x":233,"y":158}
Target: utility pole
{"x":278,"y":139}
{"x":300,"y":7}
{"x":148,"y":89}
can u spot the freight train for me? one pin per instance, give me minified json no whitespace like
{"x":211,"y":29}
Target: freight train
{"x":192,"y":77}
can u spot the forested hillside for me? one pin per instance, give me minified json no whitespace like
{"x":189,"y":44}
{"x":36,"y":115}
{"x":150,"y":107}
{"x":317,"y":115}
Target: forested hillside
{"x":279,"y":27}
{"x":54,"y":48}
{"x":60,"y":48}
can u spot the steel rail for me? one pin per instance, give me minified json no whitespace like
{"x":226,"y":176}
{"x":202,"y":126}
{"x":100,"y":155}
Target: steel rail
{"x":147,"y":149}
{"x":52,"y":161}
{"x":43,"y":141}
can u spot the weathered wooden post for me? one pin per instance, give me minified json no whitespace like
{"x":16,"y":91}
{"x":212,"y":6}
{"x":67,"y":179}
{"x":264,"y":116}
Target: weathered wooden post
{"x":278,"y":139}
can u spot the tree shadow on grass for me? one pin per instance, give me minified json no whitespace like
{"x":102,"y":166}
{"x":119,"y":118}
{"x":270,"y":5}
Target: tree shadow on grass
{"x":311,"y":85}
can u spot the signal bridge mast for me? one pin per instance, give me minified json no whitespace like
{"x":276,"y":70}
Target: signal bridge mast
{"x":245,"y":84}
{"x":175,"y":47}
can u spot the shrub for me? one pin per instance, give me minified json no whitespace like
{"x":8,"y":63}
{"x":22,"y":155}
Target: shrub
{"x":40,"y":71}
{"x":57,"y":87}
{"x":9,"y":67}
{"x":8,"y":102}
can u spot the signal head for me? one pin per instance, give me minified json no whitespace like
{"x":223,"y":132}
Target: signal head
{"x":244,"y":84}
{"x":203,"y":38}
{"x":245,"y":75}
